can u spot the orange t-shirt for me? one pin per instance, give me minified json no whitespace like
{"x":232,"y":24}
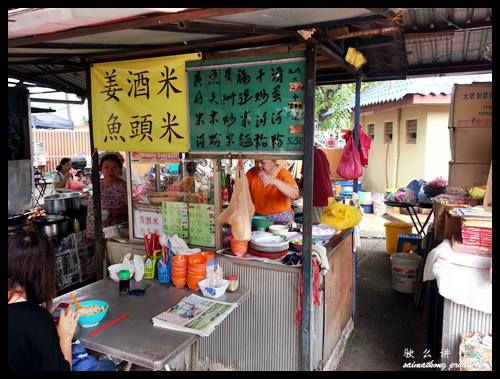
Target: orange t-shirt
{"x":269,"y":199}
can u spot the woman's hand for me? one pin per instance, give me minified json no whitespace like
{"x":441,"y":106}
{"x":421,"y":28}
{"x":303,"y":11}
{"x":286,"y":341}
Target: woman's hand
{"x":68,"y":322}
{"x":265,"y":178}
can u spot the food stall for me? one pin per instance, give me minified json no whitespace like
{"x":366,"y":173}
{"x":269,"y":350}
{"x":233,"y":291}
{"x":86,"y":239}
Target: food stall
{"x":238,"y":109}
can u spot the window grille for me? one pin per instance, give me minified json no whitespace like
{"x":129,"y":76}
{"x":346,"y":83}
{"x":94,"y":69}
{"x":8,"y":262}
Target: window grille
{"x":411,"y":131}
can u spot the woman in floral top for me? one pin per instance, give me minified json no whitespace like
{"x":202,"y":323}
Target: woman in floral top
{"x":113,"y":195}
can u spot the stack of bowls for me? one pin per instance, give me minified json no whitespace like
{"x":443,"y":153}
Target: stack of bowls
{"x":179,"y":270}
{"x":197,"y":270}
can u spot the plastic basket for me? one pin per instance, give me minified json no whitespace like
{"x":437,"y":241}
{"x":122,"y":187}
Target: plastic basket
{"x":150,"y":266}
{"x":164,"y":270}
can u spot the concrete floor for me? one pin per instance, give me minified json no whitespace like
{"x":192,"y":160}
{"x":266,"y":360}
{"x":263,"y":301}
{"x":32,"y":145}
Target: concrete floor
{"x":385,"y":322}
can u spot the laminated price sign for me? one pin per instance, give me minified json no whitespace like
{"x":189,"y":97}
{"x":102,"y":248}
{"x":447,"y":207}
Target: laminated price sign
{"x":141,"y":105}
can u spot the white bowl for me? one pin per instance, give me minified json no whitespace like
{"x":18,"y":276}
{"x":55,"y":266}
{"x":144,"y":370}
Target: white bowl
{"x":278,"y":229}
{"x":213,"y":292}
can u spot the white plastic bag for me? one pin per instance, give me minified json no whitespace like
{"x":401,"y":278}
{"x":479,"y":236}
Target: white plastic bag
{"x":139,"y":267}
{"x":125,"y":265}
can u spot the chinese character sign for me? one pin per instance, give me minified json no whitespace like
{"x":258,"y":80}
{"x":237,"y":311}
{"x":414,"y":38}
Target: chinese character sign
{"x":202,"y":225}
{"x":250,"y":107}
{"x":147,"y":222}
{"x":140,"y":105}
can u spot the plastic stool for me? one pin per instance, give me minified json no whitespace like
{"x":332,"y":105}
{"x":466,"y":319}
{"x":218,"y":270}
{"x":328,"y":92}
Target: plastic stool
{"x":414,"y":239}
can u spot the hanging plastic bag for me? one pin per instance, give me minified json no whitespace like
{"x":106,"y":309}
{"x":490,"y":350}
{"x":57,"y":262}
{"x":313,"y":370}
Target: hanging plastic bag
{"x":365,"y":142}
{"x":240,"y":210}
{"x":340,"y":216}
{"x":350,"y":164}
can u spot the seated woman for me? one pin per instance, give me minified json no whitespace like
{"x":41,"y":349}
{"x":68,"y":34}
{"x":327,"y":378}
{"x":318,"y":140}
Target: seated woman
{"x":273,"y":189}
{"x":34,"y":341}
{"x":113,"y":195}
{"x":63,"y":174}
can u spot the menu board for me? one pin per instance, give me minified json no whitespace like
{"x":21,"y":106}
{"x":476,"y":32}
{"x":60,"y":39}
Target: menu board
{"x":175,"y":219}
{"x":202,"y":225}
{"x":250,"y":106}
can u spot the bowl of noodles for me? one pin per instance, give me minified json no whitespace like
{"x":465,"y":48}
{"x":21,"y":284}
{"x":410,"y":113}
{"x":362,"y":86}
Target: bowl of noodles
{"x":92,"y":312}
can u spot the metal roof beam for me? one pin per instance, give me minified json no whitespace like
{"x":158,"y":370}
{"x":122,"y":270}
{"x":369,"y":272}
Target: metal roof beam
{"x":47,"y":83}
{"x":141,"y":22}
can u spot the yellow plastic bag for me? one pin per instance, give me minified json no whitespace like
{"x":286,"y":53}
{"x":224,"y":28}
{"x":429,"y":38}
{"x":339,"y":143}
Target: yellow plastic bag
{"x":340,"y":216}
{"x":240,"y":210}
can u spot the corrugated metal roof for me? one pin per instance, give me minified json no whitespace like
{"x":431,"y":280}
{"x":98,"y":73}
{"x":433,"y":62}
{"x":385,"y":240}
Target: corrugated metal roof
{"x":394,"y":90}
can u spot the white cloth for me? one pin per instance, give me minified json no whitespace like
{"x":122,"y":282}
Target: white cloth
{"x":320,"y":253}
{"x":180,"y":247}
{"x":461,"y":278}
{"x":357,"y":238}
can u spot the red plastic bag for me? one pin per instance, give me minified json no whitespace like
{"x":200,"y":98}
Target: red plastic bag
{"x":350,"y":162}
{"x":365,"y":143}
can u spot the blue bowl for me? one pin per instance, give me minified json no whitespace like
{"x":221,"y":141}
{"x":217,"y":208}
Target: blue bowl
{"x":88,"y":321}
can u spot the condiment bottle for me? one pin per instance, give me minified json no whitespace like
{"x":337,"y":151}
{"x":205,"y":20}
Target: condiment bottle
{"x":76,"y":225}
{"x":233,"y":283}
{"x":124,"y":283}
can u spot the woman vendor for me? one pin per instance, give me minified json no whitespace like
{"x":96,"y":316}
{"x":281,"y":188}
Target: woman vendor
{"x":113,"y":195}
{"x":62,"y":174}
{"x":272,"y":189}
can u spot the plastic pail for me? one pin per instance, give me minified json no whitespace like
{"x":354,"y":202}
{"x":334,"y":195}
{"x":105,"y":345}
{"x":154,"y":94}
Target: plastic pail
{"x":404,"y":271}
{"x":392,"y":231}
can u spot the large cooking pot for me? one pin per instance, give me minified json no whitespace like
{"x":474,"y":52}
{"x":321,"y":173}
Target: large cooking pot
{"x":53,"y":225}
{"x":61,"y":202}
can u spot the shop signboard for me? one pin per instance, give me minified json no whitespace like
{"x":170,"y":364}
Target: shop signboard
{"x":138,"y":157}
{"x":141,"y":105}
{"x":245,"y":105}
{"x":147,"y":222}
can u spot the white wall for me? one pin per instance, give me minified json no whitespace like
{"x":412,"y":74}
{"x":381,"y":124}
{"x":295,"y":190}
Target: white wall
{"x":437,"y":146}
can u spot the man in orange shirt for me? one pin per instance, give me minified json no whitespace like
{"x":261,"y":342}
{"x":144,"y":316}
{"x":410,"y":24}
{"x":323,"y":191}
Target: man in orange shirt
{"x":273,"y":189}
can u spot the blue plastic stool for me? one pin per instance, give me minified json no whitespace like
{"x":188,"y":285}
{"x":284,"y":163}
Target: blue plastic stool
{"x":414,"y":239}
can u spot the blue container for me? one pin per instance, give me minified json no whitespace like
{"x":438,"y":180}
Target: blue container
{"x":367,"y":208}
{"x":346,"y":187}
{"x":88,"y":321}
{"x":164,"y":270}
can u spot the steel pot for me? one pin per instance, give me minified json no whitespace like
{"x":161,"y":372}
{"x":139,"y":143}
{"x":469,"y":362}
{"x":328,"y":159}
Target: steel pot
{"x":53,"y":225}
{"x":62,"y":202}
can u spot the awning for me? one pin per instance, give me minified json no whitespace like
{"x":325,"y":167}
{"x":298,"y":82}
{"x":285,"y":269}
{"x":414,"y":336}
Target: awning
{"x":50,"y":121}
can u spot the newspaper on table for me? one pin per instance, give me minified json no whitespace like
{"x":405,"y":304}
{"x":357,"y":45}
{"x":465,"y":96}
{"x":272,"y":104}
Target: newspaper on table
{"x":194,"y":314}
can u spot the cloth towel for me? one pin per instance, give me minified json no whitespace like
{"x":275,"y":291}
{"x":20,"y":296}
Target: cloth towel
{"x":320,"y":253}
{"x":462,"y":278}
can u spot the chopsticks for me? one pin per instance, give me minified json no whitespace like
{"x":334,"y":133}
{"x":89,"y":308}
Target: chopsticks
{"x":151,"y":243}
{"x":108,"y":325}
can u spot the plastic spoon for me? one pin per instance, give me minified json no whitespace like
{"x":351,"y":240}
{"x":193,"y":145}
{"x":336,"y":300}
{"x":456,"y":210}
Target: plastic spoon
{"x":78,"y":306}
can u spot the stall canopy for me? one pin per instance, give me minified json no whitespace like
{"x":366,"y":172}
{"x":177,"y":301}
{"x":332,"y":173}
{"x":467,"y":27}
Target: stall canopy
{"x":397,"y":42}
{"x":50,"y":121}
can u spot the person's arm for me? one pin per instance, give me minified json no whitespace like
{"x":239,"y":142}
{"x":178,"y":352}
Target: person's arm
{"x":57,"y":182}
{"x":66,"y":329}
{"x":289,"y":190}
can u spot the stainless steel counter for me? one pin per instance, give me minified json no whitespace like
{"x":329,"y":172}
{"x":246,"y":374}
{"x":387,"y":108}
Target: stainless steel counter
{"x":134,"y":338}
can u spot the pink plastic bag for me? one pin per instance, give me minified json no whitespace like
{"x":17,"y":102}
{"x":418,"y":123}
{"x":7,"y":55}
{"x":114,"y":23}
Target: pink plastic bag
{"x":350,"y":163}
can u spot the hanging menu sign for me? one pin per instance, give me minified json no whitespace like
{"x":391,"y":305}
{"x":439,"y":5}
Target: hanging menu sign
{"x":247,"y":106}
{"x":175,"y":219}
{"x":202,"y":225}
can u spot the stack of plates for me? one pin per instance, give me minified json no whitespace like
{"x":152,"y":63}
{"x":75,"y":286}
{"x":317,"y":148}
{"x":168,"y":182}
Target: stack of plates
{"x":269,"y":243}
{"x":261,"y":254}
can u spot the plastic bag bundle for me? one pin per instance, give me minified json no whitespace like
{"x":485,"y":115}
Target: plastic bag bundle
{"x":215,"y":278}
{"x":340,"y":216}
{"x":240,"y":210}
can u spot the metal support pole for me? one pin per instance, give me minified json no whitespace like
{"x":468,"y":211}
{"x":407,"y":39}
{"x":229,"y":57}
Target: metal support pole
{"x":305,"y":327}
{"x":96,"y":189}
{"x":356,"y":121}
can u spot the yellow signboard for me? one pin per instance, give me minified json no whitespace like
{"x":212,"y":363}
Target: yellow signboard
{"x":141,"y":105}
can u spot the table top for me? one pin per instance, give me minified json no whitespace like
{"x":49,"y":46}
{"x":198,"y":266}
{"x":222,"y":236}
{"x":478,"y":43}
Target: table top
{"x":134,"y":338}
{"x":405,"y":205}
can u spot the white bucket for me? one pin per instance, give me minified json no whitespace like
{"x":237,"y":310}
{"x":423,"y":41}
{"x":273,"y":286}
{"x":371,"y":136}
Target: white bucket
{"x":404,"y":271}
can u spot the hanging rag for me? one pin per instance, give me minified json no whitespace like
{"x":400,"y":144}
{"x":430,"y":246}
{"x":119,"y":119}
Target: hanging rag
{"x":320,"y":253}
{"x":316,"y":292}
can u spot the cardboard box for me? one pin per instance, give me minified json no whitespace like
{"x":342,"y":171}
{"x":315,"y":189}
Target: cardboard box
{"x":452,"y":227}
{"x":471,"y":145}
{"x":468,"y":174}
{"x":471,"y":105}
